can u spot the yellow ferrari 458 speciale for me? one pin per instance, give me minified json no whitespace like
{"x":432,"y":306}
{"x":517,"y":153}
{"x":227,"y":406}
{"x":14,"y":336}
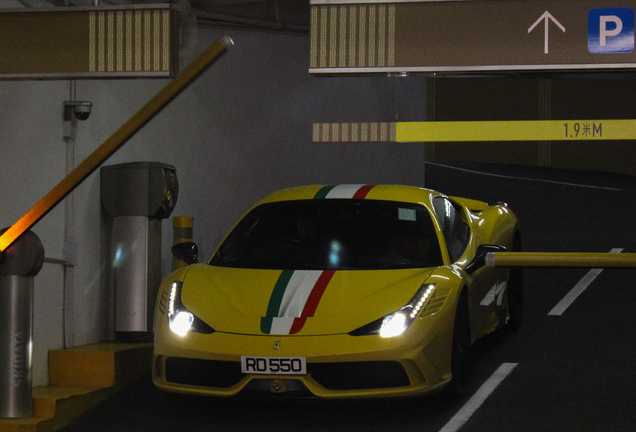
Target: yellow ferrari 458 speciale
{"x":344,"y":291}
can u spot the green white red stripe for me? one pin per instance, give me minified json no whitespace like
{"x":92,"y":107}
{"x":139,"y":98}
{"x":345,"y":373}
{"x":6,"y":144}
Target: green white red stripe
{"x":354,"y":191}
{"x":295,"y":298}
{"x":297,"y":293}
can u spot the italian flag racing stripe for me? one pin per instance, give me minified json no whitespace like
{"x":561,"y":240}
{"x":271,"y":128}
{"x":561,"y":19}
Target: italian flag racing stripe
{"x":279,"y":290}
{"x":295,"y":298}
{"x":344,"y":191}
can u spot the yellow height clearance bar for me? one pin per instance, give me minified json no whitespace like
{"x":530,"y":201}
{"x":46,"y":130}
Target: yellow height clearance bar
{"x":472,"y":131}
{"x":560,"y":259}
{"x":535,"y":130}
{"x":112,"y":144}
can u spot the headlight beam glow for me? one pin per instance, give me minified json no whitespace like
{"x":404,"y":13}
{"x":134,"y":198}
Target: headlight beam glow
{"x":180,"y":324}
{"x":397,"y":323}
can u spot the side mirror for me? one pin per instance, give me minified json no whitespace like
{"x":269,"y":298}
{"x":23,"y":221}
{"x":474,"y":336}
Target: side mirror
{"x":480,"y":256}
{"x":188,"y":252}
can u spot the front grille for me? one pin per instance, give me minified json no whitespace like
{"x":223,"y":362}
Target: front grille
{"x":359,"y":375}
{"x":332,"y":376}
{"x":205,"y":373}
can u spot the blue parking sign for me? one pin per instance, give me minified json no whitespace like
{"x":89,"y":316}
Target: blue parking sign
{"x":610,"y":30}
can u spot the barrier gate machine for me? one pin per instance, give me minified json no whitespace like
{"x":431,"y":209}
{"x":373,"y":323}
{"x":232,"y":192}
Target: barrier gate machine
{"x":138,"y":195}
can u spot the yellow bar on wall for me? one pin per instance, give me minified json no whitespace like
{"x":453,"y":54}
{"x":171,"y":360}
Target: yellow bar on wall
{"x":476,"y":131}
{"x":533,"y":130}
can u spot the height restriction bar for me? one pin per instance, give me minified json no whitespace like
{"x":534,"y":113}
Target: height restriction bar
{"x":473,"y":131}
{"x":537,"y":130}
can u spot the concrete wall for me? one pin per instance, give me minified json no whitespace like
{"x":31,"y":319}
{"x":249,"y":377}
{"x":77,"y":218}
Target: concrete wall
{"x":242,"y":130}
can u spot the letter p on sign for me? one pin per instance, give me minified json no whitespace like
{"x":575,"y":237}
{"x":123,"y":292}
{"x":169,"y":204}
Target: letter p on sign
{"x":610,"y":30}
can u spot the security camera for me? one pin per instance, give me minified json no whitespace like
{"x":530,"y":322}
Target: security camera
{"x":81,"y":109}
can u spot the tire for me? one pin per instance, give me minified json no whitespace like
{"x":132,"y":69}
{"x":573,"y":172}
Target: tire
{"x":461,"y":356}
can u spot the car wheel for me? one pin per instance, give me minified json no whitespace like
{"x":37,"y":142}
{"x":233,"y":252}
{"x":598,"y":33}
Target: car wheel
{"x":461,"y":351}
{"x":515,"y":294}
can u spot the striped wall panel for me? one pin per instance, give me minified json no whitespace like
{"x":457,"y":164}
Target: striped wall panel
{"x":354,"y":132}
{"x":130,"y":41}
{"x":346,"y":36}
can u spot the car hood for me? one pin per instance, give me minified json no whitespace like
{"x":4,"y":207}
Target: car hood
{"x":296,"y":302}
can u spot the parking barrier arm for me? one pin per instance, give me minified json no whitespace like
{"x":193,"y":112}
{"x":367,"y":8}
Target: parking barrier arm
{"x":560,"y":259}
{"x":113,"y":143}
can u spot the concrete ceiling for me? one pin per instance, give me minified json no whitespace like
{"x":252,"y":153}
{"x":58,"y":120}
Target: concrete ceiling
{"x":270,"y":15}
{"x":277,"y":15}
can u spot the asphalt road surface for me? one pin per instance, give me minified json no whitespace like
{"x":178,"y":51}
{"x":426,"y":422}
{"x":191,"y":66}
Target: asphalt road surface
{"x":571,"y":366}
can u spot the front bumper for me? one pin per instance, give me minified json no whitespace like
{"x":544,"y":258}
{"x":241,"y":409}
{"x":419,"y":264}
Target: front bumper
{"x":355,"y":366}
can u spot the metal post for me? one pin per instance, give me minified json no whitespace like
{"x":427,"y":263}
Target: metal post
{"x":18,"y":267}
{"x":182,"y":231}
{"x":16,"y":329}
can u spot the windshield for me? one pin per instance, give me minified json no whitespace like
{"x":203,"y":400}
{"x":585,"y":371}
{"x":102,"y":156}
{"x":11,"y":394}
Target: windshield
{"x":332,"y":234}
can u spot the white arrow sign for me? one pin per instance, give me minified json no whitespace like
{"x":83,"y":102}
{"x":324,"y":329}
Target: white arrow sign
{"x":546,"y":18}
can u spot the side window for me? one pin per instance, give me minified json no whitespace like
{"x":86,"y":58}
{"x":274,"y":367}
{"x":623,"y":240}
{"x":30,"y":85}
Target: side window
{"x":455,"y":230}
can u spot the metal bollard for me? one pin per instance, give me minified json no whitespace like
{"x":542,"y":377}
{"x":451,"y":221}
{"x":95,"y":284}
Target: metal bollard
{"x":182,"y":231}
{"x":15,"y":346}
{"x":20,"y":263}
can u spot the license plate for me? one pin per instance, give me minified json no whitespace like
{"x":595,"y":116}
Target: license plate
{"x":274,"y":365}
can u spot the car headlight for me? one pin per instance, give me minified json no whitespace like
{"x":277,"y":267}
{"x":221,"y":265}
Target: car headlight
{"x":396,"y":323}
{"x":180,"y":320}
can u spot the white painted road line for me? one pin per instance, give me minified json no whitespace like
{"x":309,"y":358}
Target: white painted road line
{"x":578,"y":289}
{"x":473,"y":404}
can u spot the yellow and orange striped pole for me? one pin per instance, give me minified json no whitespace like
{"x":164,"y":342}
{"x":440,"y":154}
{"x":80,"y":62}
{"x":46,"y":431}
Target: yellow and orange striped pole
{"x":113,"y":143}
